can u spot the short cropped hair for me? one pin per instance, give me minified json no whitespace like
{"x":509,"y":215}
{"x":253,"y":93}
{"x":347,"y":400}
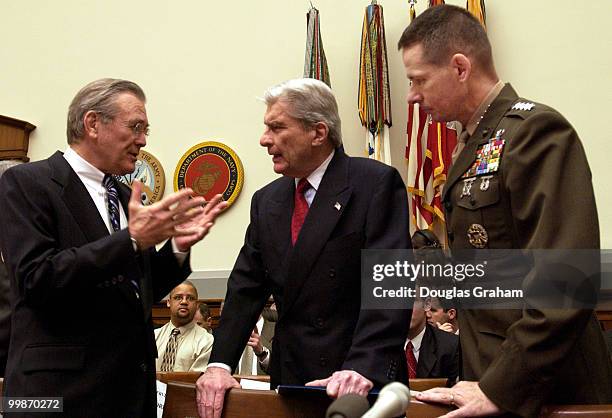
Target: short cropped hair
{"x":99,"y":96}
{"x":204,"y":310}
{"x":447,"y":30}
{"x":188,"y":283}
{"x":310,"y":101}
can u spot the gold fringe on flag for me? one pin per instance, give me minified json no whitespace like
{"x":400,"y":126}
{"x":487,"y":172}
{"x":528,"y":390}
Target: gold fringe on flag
{"x":374,"y":97}
{"x":477,"y":9}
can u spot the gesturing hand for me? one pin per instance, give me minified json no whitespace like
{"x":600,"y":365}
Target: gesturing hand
{"x":199,"y":226}
{"x":150,"y":225}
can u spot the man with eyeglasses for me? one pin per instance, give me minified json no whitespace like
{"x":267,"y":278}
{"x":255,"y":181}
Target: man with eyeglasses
{"x":74,"y":241}
{"x":182,"y":346}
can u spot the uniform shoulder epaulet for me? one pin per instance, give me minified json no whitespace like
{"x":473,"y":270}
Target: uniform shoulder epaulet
{"x":526,"y":106}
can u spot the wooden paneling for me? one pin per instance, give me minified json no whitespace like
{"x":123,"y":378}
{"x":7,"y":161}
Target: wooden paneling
{"x":14,"y":138}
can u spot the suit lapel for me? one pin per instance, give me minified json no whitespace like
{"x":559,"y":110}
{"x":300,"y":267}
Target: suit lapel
{"x":427,"y":353}
{"x":278,"y":225}
{"x":77,"y":199}
{"x":325,"y":211}
{"x":483,"y":133}
{"x":82,"y":207}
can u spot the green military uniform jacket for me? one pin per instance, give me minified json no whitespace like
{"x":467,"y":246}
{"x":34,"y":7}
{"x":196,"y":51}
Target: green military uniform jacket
{"x":539,"y":196}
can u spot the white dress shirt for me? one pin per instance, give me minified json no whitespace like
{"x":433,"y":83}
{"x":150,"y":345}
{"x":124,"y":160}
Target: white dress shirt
{"x":416,"y":343}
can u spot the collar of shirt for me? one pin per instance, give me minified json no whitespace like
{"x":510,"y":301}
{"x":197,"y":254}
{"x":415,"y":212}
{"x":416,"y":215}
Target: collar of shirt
{"x":315,"y":178}
{"x":89,"y":175}
{"x":185,"y":329}
{"x":416,"y":342}
{"x":483,"y":107}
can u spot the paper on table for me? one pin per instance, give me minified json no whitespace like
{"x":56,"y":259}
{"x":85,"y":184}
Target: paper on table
{"x":254,"y":384}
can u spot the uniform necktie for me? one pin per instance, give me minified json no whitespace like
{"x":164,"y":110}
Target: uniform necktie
{"x":461,"y":141}
{"x":170,"y":354}
{"x":300,"y":209}
{"x":113,"y":201}
{"x":411,"y":359}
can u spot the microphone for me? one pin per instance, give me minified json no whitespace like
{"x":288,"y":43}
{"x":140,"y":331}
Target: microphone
{"x":348,"y":406}
{"x":393,"y":400}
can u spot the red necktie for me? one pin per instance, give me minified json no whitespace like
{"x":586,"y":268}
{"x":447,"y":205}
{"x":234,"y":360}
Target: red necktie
{"x":412,"y":363}
{"x":300,"y":209}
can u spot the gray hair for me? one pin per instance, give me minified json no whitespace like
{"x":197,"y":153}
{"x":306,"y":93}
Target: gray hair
{"x":98,"y":96}
{"x":310,"y":101}
{"x":6,"y":164}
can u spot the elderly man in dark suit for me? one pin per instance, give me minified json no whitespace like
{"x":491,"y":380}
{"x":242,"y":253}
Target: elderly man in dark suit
{"x":77,"y":246}
{"x":303,"y":246}
{"x":520,"y":181}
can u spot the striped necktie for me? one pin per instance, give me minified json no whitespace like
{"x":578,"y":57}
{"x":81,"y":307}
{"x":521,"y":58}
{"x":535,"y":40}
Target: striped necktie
{"x":113,"y":201}
{"x":171,"y":349}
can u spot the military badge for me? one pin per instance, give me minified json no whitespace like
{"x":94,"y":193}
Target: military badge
{"x":488,"y":157}
{"x":527,"y":106}
{"x":477,"y":236}
{"x":148,"y":170}
{"x":210,"y":168}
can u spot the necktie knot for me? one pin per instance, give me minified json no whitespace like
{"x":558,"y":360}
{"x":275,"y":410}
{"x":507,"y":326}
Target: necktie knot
{"x":176,"y":332}
{"x":302,"y":186}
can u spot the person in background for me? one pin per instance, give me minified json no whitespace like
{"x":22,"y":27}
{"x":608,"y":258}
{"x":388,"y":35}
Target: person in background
{"x":443,"y":315}
{"x":430,"y":352}
{"x":203,"y":318}
{"x":182,"y":346}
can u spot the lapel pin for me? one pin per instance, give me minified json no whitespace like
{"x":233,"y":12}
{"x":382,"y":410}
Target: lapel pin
{"x":338,"y":206}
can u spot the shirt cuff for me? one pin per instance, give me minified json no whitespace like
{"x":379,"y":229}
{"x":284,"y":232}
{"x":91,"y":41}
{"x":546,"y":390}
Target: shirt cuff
{"x":179,"y":255}
{"x":221,"y":366}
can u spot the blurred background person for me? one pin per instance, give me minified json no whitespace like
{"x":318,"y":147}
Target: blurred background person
{"x":182,"y":346}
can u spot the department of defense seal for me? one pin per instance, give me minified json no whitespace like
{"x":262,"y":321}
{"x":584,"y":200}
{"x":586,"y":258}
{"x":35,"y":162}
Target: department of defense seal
{"x":149,"y":172}
{"x":210,"y":168}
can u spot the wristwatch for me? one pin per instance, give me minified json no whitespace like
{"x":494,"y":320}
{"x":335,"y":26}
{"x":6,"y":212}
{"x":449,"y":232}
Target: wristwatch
{"x":261,"y":356}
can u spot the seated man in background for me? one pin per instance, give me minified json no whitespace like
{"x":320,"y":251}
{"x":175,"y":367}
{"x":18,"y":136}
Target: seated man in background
{"x":202,"y":317}
{"x":442,"y":314}
{"x":430,"y":352}
{"x":182,"y":346}
{"x":255,"y":358}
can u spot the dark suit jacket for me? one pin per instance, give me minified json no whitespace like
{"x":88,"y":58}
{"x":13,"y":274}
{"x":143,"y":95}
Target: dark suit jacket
{"x":541,"y":197}
{"x":5,"y":317}
{"x":360,"y":204}
{"x":439,"y":355}
{"x":79,"y":329}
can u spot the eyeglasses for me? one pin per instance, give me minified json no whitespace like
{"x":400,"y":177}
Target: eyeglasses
{"x":139,"y":128}
{"x":179,"y":298}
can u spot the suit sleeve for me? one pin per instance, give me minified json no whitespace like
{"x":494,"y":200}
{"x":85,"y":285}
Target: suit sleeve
{"x":246,"y":296}
{"x":553,"y":207}
{"x":377,"y":347}
{"x":36,"y":254}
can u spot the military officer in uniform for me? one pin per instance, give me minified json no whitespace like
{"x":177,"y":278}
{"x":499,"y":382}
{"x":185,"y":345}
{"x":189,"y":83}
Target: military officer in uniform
{"x":520,"y":181}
